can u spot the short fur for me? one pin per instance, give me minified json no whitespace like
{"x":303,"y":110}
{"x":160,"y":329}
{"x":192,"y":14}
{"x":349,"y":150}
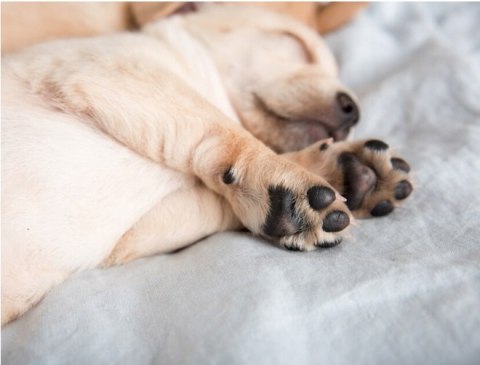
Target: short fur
{"x":115,"y":147}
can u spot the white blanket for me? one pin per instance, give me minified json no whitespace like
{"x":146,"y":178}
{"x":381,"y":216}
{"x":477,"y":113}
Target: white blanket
{"x":404,"y":290}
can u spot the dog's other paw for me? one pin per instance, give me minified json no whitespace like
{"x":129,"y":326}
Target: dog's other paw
{"x":372,"y":179}
{"x":285,"y":203}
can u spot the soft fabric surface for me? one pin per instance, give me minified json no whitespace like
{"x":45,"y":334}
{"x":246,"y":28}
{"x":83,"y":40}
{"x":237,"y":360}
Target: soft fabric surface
{"x":404,"y":290}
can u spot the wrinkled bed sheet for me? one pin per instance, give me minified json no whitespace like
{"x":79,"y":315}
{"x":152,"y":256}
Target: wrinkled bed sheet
{"x":404,"y":290}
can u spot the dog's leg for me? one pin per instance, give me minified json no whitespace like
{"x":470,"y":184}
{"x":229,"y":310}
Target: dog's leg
{"x":21,"y":288}
{"x":180,"y":219}
{"x":156,"y":114}
{"x":367,"y":173}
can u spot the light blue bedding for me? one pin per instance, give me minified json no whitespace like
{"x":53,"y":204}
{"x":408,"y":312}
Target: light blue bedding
{"x":404,"y":290}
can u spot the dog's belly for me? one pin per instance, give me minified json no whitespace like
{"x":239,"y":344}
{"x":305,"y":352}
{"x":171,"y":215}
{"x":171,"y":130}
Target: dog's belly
{"x":69,"y":192}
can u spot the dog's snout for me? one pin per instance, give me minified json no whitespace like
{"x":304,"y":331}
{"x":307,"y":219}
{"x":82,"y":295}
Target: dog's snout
{"x":348,"y":108}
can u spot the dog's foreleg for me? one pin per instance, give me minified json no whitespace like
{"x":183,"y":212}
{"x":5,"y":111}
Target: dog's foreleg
{"x":154,"y":113}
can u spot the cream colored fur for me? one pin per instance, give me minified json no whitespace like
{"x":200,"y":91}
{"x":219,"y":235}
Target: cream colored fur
{"x":114,"y":147}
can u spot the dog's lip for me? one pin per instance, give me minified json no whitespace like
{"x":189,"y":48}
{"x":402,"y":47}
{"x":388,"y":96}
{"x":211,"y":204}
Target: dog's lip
{"x":340,"y":134}
{"x":316,"y":129}
{"x":266,"y":109}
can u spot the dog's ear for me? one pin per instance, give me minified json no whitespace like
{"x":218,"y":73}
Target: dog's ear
{"x":301,"y":11}
{"x":333,"y":15}
{"x":146,"y":12}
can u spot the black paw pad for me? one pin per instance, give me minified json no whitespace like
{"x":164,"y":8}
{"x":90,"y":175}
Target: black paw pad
{"x":228,"y":176}
{"x":335,"y":221}
{"x":399,"y":164}
{"x":358,"y":179}
{"x":403,"y":190}
{"x":376,"y":145}
{"x":282,"y":219}
{"x":293,"y":248}
{"x":328,"y":244}
{"x":383,"y":208}
{"x":320,"y":197}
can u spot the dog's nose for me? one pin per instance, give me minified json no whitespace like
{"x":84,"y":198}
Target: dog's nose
{"x":348,"y":108}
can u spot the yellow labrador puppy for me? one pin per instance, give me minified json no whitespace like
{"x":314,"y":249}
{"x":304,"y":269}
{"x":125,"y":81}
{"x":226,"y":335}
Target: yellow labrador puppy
{"x":133,"y":144}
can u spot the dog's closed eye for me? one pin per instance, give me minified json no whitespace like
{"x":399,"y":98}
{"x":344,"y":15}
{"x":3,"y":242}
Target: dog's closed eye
{"x":307,"y":53}
{"x":287,"y":46}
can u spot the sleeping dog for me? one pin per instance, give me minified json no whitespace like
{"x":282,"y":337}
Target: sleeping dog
{"x":133,"y":144}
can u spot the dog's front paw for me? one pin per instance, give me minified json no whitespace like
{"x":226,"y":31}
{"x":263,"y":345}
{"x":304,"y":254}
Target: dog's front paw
{"x":366,"y":173}
{"x":304,"y":219}
{"x":285,"y":203}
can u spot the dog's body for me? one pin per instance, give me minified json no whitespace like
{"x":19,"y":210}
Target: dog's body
{"x":124,"y":146}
